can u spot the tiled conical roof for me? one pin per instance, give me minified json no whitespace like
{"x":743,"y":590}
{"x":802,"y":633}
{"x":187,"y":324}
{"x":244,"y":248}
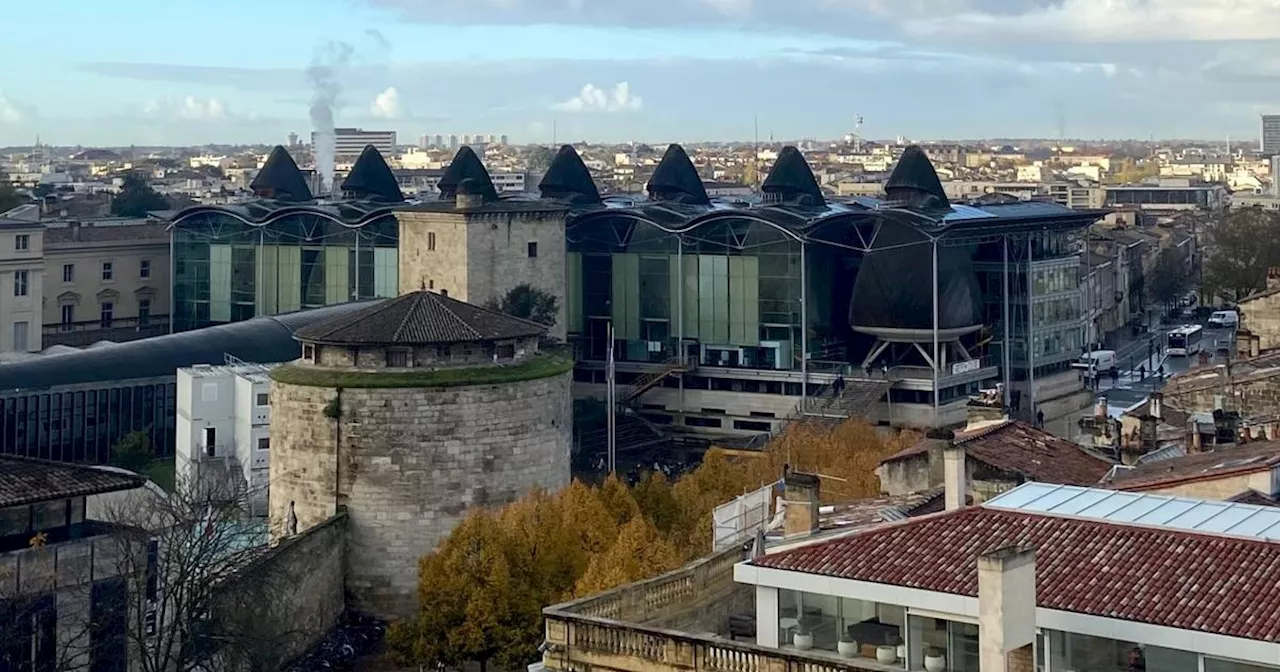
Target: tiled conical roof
{"x":791,"y":179}
{"x":419,"y":318}
{"x":568,"y":178}
{"x":280,"y":178}
{"x":675,"y":179}
{"x":916,"y":182}
{"x":372,"y":178}
{"x":466,"y":165}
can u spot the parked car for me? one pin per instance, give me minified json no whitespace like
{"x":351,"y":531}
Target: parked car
{"x":1224,"y":319}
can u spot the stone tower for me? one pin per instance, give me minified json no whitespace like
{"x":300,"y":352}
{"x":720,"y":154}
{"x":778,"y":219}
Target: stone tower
{"x":405,"y":414}
{"x":474,"y":246}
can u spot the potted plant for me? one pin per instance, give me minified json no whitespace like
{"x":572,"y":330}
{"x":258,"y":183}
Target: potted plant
{"x":935,"y":660}
{"x":886,"y":654}
{"x":803,"y":639}
{"x":899,"y":645}
{"x":847,"y":646}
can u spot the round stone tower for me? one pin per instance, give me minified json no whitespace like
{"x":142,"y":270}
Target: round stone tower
{"x":406,"y":414}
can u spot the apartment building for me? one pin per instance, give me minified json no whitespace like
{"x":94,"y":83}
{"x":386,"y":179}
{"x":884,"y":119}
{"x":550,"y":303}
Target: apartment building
{"x":21,"y":280}
{"x":224,"y":428}
{"x":106,"y":280}
{"x":63,"y":577}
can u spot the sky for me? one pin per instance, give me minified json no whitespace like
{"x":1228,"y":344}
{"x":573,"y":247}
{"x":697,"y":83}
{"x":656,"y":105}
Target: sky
{"x":187,"y":72}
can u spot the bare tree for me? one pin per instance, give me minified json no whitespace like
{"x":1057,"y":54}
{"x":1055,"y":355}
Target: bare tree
{"x":203,"y":593}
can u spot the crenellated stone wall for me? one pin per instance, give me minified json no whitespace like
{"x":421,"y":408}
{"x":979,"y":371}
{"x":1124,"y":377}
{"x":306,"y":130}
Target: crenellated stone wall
{"x":407,"y":463}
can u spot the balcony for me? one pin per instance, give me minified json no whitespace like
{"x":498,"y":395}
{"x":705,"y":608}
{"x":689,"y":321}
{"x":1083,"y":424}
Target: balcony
{"x":81,"y":334}
{"x":677,"y":622}
{"x":94,"y":551}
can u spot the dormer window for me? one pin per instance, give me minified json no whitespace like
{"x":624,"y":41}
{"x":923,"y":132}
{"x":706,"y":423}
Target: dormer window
{"x":309,"y":353}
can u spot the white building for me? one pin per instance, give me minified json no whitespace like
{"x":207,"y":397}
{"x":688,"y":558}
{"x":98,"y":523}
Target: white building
{"x":224,"y":426}
{"x":509,"y":183}
{"x":21,"y":281}
{"x":349,"y":142}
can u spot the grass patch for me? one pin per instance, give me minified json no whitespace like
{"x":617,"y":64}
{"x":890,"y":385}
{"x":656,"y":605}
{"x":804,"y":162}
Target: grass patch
{"x":533,"y":369}
{"x":161,"y":472}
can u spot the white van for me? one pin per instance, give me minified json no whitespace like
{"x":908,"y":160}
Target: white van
{"x":1224,"y":319}
{"x":1100,"y":362}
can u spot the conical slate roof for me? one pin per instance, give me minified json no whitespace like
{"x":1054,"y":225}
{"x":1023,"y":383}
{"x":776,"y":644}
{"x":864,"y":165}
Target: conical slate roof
{"x":372,"y":178}
{"x":280,"y":178}
{"x":915,"y":181}
{"x":792,"y":179}
{"x":675,"y":179}
{"x":419,"y":318}
{"x":466,"y":165}
{"x":568,"y":178}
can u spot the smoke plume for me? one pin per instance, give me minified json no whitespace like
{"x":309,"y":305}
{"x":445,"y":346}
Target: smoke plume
{"x":326,"y":66}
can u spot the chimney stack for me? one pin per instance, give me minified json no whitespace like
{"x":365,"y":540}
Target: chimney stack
{"x":800,"y":492}
{"x":1006,"y":609}
{"x":954,"y":478}
{"x":1157,"y":405}
{"x":1100,"y":408}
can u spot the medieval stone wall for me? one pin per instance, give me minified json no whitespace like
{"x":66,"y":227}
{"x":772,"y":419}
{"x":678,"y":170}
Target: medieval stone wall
{"x":411,"y":462}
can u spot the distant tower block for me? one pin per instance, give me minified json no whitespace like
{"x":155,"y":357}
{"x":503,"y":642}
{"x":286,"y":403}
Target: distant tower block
{"x":407,"y":459}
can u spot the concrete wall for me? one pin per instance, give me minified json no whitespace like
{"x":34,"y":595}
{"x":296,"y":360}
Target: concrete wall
{"x":411,"y":462}
{"x":1219,"y":488}
{"x":1261,"y":316}
{"x":291,"y":596}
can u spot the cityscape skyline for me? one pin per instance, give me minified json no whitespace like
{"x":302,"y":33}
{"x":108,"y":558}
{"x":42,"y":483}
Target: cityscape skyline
{"x":683,"y":70}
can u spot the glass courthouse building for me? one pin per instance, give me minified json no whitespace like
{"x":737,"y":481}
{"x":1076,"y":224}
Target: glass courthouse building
{"x":286,"y":251}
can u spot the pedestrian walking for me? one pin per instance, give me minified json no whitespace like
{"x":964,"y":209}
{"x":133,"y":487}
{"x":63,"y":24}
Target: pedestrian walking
{"x":1040,"y":419}
{"x":839,"y":385}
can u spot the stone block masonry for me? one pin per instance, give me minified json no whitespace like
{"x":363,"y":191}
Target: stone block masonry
{"x":407,"y":463}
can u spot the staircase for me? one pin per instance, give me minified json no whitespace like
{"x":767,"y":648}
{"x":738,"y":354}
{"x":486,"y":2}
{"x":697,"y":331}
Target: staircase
{"x":649,"y":380}
{"x":860,"y":397}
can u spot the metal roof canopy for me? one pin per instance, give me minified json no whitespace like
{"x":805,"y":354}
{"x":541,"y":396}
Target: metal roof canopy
{"x":1249,"y":521}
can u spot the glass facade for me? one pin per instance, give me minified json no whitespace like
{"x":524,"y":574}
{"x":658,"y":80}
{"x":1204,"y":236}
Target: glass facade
{"x":83,"y":425}
{"x":729,"y":290}
{"x":226,"y":270}
{"x":827,"y":623}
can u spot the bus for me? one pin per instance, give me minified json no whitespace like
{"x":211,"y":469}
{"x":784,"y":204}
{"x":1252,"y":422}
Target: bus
{"x":1185,"y":341}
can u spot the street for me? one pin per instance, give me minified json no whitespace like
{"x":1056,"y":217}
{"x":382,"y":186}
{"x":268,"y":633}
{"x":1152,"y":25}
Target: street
{"x":1132,"y":386}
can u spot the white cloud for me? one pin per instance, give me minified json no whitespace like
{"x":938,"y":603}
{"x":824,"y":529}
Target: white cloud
{"x":387,"y":104}
{"x":189,"y":108}
{"x":10,"y":112}
{"x":595,"y":99}
{"x":1113,"y":21}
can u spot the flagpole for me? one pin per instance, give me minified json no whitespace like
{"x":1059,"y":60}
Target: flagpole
{"x":611,"y":399}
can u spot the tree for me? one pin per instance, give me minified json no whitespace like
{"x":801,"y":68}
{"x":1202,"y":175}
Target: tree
{"x":530,"y":303}
{"x":1241,"y":247}
{"x":136,"y":198}
{"x":196,"y":591}
{"x":639,"y":553}
{"x":133,"y":452}
{"x":1169,"y":279}
{"x":9,"y":198}
{"x":540,"y":158}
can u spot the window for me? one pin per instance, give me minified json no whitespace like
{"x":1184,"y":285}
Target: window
{"x":753,"y":425}
{"x":444,"y":293}
{"x":144,"y":311}
{"x":264,"y":443}
{"x":533,"y":250}
{"x":309,"y":352}
{"x":144,"y":268}
{"x":431,"y":240}
{"x":210,"y":440}
{"x":68,"y":272}
{"x":68,"y":317}
{"x":108,"y":314}
{"x":702,"y":422}
{"x":22,"y":242}
{"x":49,"y":515}
{"x":262,"y":399}
{"x":15,"y":520}
{"x":108,"y":270}
{"x":20,"y":281}
{"x":397,"y":358}
{"x":20,"y":336}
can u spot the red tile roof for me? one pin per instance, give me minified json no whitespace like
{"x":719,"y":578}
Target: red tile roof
{"x":1222,"y":463}
{"x":1193,"y":581}
{"x":1020,"y":448}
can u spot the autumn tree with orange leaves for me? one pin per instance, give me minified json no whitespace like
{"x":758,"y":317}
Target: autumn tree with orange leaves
{"x":481,"y":593}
